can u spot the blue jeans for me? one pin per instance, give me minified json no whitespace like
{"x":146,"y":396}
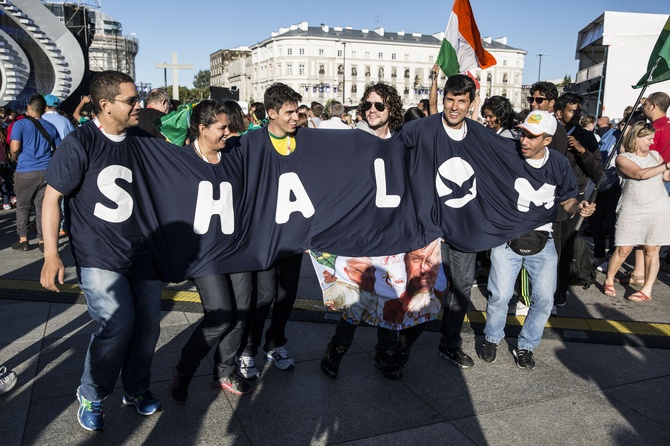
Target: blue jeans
{"x":505,"y":266}
{"x":129,"y":313}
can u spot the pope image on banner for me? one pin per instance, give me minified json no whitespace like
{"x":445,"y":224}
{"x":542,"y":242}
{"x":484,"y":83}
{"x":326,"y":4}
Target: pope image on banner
{"x":395,"y":292}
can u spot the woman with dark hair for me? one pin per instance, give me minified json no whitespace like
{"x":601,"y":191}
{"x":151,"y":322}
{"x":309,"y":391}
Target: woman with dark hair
{"x":643,"y":210}
{"x":236,"y":124}
{"x":226,"y":298}
{"x":413,"y":113}
{"x":499,"y":116}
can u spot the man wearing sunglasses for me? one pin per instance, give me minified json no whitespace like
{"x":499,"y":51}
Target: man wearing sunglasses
{"x":88,"y":169}
{"x":381,"y":108}
{"x":543,"y":97}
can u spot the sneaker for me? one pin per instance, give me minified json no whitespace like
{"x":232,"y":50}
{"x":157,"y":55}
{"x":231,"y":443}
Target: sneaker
{"x":280,"y":357}
{"x":602,"y":267}
{"x":524,"y":359}
{"x":7,"y":206}
{"x":179,"y":386}
{"x":401,"y":356}
{"x":330,"y":364}
{"x":12,"y":201}
{"x":560,"y":298}
{"x":246,"y":367}
{"x":384,"y":361}
{"x":90,"y":414}
{"x":21,"y":246}
{"x":456,"y":355}
{"x":234,"y":384}
{"x":146,"y":403}
{"x":7,"y":380}
{"x":488,"y":351}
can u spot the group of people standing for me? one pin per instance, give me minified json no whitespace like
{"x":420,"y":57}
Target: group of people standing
{"x":236,"y":306}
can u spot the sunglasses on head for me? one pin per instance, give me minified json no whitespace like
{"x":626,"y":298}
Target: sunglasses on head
{"x":378,"y":105}
{"x":537,"y":100}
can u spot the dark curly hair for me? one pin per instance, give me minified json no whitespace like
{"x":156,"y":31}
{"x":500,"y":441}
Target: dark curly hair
{"x":502,"y":109}
{"x":391,"y":99}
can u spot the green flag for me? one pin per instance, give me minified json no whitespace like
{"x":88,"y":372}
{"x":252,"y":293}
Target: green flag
{"x":174,"y":126}
{"x":660,"y":55}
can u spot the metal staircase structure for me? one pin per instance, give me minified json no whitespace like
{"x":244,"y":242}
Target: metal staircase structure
{"x":65,"y":69}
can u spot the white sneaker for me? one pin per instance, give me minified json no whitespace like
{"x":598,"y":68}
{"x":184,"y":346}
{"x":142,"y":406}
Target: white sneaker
{"x":602,"y":267}
{"x":7,"y":380}
{"x":280,"y":357}
{"x":246,"y":367}
{"x":521,"y":309}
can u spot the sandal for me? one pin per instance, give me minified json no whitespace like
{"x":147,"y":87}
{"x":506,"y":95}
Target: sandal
{"x":638,"y":297}
{"x":630,"y":279}
{"x":608,"y":290}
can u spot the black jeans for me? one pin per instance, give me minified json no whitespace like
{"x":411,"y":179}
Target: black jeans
{"x":459,"y":267}
{"x":603,"y":219}
{"x":386,"y":339}
{"x":226,"y":300}
{"x":278,"y":284}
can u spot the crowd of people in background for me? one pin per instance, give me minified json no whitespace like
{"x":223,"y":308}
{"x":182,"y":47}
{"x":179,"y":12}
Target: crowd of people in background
{"x":629,"y":211}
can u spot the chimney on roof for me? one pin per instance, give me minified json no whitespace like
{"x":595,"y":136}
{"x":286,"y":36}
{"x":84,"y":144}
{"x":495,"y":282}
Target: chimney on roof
{"x":380,"y":31}
{"x":324,"y":28}
{"x":487,"y":39}
{"x":502,"y":40}
{"x":302,"y":26}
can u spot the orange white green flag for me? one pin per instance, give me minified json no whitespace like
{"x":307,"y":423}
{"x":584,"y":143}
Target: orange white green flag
{"x":461,"y":48}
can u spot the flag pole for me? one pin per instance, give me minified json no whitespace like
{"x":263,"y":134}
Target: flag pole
{"x":617,"y":145}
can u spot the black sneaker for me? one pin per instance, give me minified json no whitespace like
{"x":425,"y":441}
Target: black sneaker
{"x":234,"y":384}
{"x":488,"y":351}
{"x":456,"y":355}
{"x":401,"y":356}
{"x":21,"y":246}
{"x":179,"y":386}
{"x":384,"y":361}
{"x":524,"y":359}
{"x":330,"y":364}
{"x":560,"y":298}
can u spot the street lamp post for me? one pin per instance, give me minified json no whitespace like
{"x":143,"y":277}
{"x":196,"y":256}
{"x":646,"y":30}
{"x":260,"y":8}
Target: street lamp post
{"x":539,"y":70}
{"x":344,"y":71}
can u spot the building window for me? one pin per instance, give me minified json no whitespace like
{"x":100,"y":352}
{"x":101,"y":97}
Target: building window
{"x":289,"y":51}
{"x":504,"y":93}
{"x":289,"y":69}
{"x":340,"y":69}
{"x":406,"y":57}
{"x":301,"y":69}
{"x":339,"y":53}
{"x":320,"y":51}
{"x":353,"y":54}
{"x":504,"y":62}
{"x":367,"y":71}
{"x":367,"y":54}
{"x":393,"y":56}
{"x":301,"y":51}
{"x":505,"y":77}
{"x":380,"y":55}
{"x":406,"y":74}
{"x":322,"y":69}
{"x":354,"y":71}
{"x":430,"y":59}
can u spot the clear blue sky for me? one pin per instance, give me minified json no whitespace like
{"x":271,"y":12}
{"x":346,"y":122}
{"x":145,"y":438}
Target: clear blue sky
{"x":196,"y":28}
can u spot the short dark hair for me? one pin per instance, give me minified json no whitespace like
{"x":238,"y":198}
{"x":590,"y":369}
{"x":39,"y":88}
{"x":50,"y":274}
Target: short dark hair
{"x":205,"y":113}
{"x":317,"y":109}
{"x":38,"y":104}
{"x":567,"y":98}
{"x":660,"y":100}
{"x":413,"y":113}
{"x":502,"y":109}
{"x":391,"y":99}
{"x":546,"y":89}
{"x":236,"y":117}
{"x":106,"y":85}
{"x":278,"y":94}
{"x":459,"y":84}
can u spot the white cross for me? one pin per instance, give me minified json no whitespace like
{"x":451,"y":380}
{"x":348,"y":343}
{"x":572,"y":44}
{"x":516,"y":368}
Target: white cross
{"x":175,"y":73}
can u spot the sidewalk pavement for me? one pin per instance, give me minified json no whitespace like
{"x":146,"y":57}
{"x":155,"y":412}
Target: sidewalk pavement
{"x":602,"y":377}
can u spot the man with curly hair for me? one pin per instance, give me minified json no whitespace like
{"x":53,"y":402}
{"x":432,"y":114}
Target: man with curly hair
{"x":381,"y":108}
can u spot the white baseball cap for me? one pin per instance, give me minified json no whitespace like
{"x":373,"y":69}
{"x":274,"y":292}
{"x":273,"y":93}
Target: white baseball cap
{"x":539,"y":122}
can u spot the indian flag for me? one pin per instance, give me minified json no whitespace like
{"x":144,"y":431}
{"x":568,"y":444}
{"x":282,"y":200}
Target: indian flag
{"x":462,"y":48}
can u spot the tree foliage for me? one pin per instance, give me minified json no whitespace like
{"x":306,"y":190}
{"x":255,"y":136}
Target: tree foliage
{"x":201,"y":80}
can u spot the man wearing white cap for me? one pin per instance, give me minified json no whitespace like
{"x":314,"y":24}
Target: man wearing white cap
{"x":550,"y":181}
{"x":62,"y":124}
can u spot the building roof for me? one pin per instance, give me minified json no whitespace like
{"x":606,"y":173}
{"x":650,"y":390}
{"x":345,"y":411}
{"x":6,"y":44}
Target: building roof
{"x":303,"y":29}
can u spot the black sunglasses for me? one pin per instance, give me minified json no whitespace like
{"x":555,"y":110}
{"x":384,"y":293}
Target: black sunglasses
{"x":130,"y":101}
{"x":537,"y":100}
{"x":378,"y":105}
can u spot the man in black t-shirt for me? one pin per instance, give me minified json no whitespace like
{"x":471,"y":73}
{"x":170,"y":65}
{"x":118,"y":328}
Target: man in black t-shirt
{"x":91,"y":169}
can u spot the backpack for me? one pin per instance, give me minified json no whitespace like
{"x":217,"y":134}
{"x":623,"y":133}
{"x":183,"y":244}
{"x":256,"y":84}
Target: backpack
{"x":582,"y":271}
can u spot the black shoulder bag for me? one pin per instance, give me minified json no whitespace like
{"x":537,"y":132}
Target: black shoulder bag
{"x":42,"y":131}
